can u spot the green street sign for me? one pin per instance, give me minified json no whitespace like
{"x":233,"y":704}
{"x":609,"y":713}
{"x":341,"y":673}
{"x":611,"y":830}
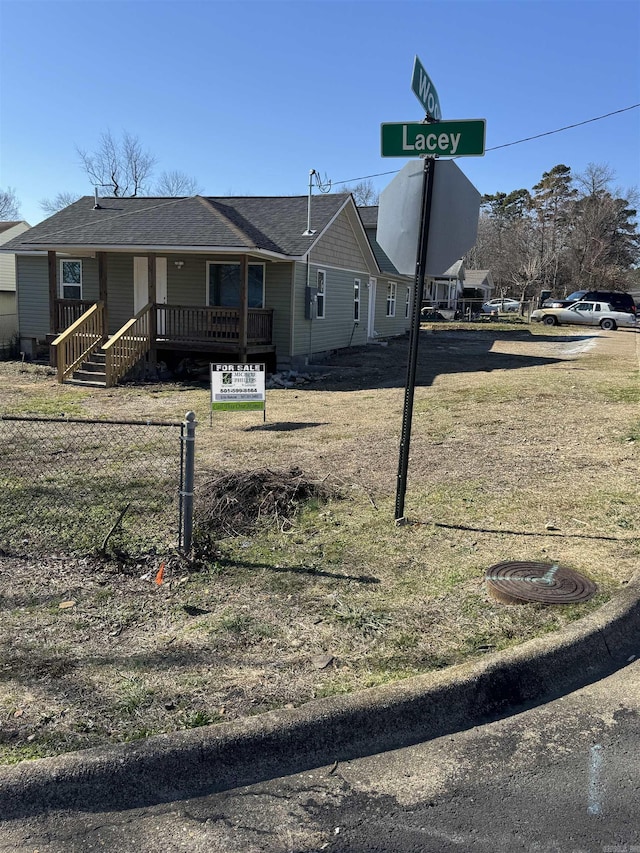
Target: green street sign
{"x":425,"y":91}
{"x":440,"y":139}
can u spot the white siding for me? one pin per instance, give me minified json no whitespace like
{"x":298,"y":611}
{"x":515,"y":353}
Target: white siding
{"x":8,"y":262}
{"x":8,"y":317}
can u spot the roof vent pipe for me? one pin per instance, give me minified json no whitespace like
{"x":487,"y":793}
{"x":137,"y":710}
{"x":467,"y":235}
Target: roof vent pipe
{"x":96,"y":206}
{"x":325,"y":187}
{"x":309,"y":232}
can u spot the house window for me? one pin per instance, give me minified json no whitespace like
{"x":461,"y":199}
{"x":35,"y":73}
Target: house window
{"x":223,"y":284}
{"x":356,"y":300}
{"x":71,"y":279}
{"x":321,"y":282}
{"x":407,"y":303}
{"x":391,"y":299}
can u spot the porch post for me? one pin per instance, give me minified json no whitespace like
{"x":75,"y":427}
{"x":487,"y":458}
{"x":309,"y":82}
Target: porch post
{"x":53,"y":291}
{"x":102,"y":290}
{"x":244,"y":307}
{"x":151,"y":280}
{"x":52,"y":261}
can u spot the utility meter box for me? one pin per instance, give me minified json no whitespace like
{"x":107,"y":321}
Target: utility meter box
{"x":310,"y":301}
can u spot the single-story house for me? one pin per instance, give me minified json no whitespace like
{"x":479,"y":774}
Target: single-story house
{"x":478,"y":288}
{"x":445,"y":291}
{"x":278,"y":279}
{"x":459,"y":290}
{"x":8,"y":311}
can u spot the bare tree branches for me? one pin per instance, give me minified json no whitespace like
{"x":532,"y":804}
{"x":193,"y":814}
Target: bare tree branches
{"x":364,"y":193}
{"x":175,"y":184}
{"x":9,"y":205}
{"x":122,"y":167}
{"x":62,"y":199}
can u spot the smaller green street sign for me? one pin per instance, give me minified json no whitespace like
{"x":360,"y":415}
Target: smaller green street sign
{"x":440,"y":139}
{"x":425,"y":91}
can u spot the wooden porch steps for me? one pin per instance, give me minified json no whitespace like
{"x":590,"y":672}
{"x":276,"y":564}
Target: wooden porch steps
{"x":92,"y":372}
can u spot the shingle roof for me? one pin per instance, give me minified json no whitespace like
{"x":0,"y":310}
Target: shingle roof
{"x":369,"y":216}
{"x":275,"y":224}
{"x":453,"y":271}
{"x":474,"y":278}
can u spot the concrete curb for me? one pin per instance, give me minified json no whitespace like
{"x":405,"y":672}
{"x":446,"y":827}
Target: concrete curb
{"x":216,"y":758}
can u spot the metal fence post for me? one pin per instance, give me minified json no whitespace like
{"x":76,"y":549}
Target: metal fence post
{"x":186,"y":494}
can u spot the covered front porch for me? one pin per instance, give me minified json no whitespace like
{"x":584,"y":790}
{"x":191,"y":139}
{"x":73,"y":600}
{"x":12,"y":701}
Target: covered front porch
{"x":81,"y":341}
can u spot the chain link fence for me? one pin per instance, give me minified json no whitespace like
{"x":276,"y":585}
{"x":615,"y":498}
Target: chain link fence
{"x":74,"y":486}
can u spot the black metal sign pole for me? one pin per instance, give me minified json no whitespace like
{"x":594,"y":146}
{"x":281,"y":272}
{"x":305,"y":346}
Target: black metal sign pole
{"x":414,"y":335}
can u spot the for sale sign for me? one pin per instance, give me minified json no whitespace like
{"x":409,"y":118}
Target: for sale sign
{"x":238,"y":387}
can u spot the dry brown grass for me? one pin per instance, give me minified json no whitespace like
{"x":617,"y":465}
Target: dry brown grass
{"x":524,"y":447}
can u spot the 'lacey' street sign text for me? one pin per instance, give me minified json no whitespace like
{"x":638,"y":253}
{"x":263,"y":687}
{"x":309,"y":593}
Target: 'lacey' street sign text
{"x":441,"y":139}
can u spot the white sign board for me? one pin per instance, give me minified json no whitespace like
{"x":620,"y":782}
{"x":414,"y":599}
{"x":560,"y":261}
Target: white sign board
{"x":238,"y":387}
{"x":453,"y":227}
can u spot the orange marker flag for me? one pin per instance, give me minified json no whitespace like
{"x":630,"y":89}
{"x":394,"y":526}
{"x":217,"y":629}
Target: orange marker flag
{"x":160,"y":574}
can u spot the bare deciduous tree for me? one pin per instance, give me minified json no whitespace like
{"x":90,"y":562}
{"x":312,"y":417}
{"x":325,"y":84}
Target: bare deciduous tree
{"x":122,"y":167}
{"x":364,"y":193}
{"x":175,"y":184}
{"x":63,"y":199}
{"x":604,"y":243}
{"x":9,"y":205}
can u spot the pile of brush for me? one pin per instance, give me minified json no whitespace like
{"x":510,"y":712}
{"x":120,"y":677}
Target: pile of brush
{"x":235,"y":504}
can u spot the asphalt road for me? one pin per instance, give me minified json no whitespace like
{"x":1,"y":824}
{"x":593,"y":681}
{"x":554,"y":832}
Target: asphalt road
{"x":559,"y":778}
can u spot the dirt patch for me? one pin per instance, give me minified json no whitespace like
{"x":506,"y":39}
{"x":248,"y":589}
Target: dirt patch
{"x":524,"y":447}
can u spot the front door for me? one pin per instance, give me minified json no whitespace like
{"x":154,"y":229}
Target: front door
{"x":141,"y":286}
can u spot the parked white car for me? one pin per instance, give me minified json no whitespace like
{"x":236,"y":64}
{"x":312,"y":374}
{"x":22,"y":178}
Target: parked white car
{"x":500,"y":305}
{"x":585,"y":313}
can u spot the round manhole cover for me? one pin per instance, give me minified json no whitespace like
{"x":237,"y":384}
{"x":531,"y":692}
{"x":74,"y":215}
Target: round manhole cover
{"x":546,"y":583}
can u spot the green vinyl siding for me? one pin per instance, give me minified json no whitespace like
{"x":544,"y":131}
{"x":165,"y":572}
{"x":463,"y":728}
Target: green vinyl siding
{"x":119,"y":290}
{"x":32,"y":285}
{"x":339,"y":247}
{"x":32,"y":281}
{"x":388,"y":327}
{"x":337,"y":330}
{"x":278,"y":296}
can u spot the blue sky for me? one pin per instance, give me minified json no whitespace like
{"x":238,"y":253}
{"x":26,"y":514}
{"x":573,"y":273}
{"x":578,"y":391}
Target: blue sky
{"x":247,"y":97}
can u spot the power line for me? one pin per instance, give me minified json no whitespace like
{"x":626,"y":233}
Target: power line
{"x":568,"y":127}
{"x":508,"y":144}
